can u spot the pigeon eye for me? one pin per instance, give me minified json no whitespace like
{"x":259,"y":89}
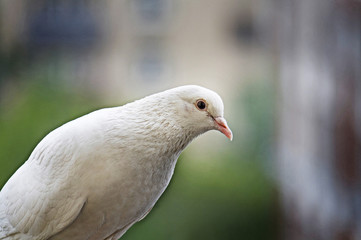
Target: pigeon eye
{"x":201,"y":104}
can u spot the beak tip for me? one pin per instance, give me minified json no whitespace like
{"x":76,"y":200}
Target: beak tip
{"x":228,"y":133}
{"x":222,"y":126}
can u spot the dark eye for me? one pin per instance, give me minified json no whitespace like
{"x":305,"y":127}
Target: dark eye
{"x":201,"y":105}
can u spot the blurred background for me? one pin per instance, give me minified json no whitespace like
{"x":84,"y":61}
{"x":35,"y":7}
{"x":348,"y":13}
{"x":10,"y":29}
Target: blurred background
{"x":287,"y":70}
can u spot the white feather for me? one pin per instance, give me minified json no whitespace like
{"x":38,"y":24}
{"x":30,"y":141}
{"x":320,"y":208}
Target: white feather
{"x":95,"y":176}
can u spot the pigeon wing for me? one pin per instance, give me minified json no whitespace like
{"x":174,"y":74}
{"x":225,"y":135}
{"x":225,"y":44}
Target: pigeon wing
{"x":37,"y":202}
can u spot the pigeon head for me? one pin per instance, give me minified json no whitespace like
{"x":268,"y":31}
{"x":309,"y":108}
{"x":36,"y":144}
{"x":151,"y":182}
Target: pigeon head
{"x":201,"y":109}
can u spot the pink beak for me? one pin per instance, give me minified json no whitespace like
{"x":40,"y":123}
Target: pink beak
{"x":221,"y":125}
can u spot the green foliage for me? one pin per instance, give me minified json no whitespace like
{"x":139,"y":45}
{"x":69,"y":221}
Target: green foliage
{"x":255,"y":141}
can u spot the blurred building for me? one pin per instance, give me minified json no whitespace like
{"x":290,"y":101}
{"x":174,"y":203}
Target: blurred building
{"x":125,"y":47}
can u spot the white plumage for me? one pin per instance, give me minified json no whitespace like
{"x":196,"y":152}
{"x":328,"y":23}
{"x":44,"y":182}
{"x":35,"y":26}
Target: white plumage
{"x":95,"y":176}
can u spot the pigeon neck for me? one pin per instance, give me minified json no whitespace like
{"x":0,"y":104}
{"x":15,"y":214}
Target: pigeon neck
{"x":159,"y":131}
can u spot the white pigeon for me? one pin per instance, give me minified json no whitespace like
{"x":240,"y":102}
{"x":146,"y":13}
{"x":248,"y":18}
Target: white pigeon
{"x":95,"y":176}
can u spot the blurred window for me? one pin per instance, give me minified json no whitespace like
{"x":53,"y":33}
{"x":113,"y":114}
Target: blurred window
{"x":151,"y":10}
{"x":62,"y":23}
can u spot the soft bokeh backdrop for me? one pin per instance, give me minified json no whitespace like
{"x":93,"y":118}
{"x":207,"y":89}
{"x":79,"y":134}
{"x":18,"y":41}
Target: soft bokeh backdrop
{"x":288,"y":72}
